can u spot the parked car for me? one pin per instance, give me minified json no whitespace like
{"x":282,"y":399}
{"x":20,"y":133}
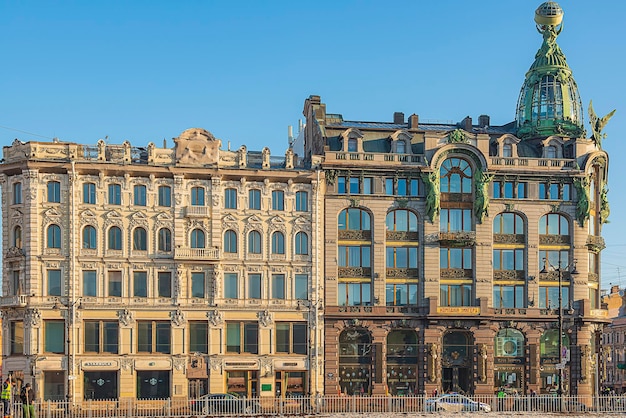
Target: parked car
{"x":453,"y":402}
{"x":225,"y":404}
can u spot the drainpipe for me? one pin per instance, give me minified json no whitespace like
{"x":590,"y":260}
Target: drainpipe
{"x":71,"y":302}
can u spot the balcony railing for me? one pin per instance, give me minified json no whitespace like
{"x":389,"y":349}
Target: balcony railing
{"x":212,"y":254}
{"x":197,"y":211}
{"x":17,"y":300}
{"x":551,"y":163}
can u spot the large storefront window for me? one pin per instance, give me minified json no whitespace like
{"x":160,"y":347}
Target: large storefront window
{"x":153,"y":384}
{"x":54,"y":385}
{"x":355,"y":362}
{"x":549,"y":349}
{"x":402,"y":363}
{"x":509,"y":361}
{"x":101,"y":385}
{"x":290,"y":384}
{"x":243,"y":383}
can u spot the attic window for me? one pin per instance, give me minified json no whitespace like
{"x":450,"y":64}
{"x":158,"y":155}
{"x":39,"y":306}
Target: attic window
{"x":401,"y":147}
{"x":507,"y":150}
{"x":352,"y":145}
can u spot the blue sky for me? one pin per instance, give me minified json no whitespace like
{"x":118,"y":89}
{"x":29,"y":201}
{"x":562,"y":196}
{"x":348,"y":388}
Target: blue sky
{"x":147,"y":70}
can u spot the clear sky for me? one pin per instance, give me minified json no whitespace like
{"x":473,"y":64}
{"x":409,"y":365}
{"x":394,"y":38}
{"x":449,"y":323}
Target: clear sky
{"x":147,"y":70}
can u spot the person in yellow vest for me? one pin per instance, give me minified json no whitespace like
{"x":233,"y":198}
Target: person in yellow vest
{"x":6,"y":395}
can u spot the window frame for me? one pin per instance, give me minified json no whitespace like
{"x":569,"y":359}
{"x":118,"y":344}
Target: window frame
{"x":140,"y":195}
{"x":54,"y":191}
{"x":89,"y":193}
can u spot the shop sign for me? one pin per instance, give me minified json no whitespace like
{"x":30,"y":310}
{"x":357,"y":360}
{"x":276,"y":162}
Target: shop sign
{"x":266,"y":387}
{"x":509,"y":360}
{"x":243,"y":365}
{"x":289,"y":365}
{"x":464,"y":310}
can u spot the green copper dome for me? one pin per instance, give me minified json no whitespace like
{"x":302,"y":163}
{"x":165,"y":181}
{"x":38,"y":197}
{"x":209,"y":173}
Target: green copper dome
{"x":549,"y":103}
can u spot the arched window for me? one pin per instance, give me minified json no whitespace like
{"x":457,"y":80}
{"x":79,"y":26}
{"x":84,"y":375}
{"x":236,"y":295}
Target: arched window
{"x":230,"y":242}
{"x":254,"y":242}
{"x":140,"y":239}
{"x":165,"y":240}
{"x":197,"y":238}
{"x":302,"y":243}
{"x":553,"y":224}
{"x":115,"y":238}
{"x":89,"y":238}
{"x":278,"y":243}
{"x":509,"y":342}
{"x":401,"y":220}
{"x":54,"y":236}
{"x":354,"y":219}
{"x":508,"y":223}
{"x":355,"y":361}
{"x":455,"y":176}
{"x":17,"y":237}
{"x":402,"y":360}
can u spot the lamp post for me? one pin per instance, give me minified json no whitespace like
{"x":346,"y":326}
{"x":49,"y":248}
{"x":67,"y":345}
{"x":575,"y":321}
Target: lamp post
{"x":571,"y":269}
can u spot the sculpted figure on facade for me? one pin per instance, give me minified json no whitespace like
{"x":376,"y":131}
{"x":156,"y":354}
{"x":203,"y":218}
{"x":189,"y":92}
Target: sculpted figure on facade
{"x":581,"y":184}
{"x":481,"y":201}
{"x":196,"y":146}
{"x":431,"y":181}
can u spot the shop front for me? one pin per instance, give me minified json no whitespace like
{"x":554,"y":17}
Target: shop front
{"x":242,"y":378}
{"x":355,"y":362}
{"x":291,"y":379}
{"x":100,"y":379}
{"x":509,"y":362}
{"x":402,"y":360}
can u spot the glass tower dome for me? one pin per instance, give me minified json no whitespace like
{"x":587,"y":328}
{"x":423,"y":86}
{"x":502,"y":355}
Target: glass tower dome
{"x":549,"y":103}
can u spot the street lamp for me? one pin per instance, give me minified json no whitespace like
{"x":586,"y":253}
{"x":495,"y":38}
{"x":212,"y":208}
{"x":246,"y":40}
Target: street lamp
{"x":571,"y":269}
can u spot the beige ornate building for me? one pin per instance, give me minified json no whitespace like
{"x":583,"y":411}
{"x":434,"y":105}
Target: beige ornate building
{"x":154,"y":272}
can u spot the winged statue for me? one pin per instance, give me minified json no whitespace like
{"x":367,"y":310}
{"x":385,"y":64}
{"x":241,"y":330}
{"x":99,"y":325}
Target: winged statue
{"x":598,"y":124}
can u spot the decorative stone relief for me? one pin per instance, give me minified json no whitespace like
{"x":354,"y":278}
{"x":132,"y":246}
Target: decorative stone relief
{"x":32,"y":317}
{"x":215,"y":317}
{"x":126,"y":363}
{"x":216,"y":364}
{"x":125,"y":317}
{"x":179,"y":363}
{"x":265,"y":318}
{"x":178,"y":318}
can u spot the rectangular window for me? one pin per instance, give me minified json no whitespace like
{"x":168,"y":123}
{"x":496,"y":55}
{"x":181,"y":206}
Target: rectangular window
{"x":197,"y":285}
{"x":522,"y":190}
{"x":254,"y":286}
{"x":402,"y":187}
{"x":402,"y":257}
{"x":230,"y":199}
{"x":197,"y":196}
{"x":154,"y":337}
{"x":354,"y":256}
{"x":139,"y":195}
{"x":231,"y":290}
{"x":455,"y":258}
{"x":254,"y":199}
{"x":549,"y":297}
{"x":115,"y":283}
{"x":508,"y":259}
{"x":414,"y":187}
{"x":354,"y":294}
{"x":140,"y":284}
{"x":242,"y":337}
{"x":455,"y":220}
{"x":165,"y":196}
{"x":341,"y":185}
{"x":367,"y":185}
{"x":278,"y":200}
{"x":54,"y":334}
{"x":302,"y":201}
{"x":278,"y":286}
{"x":198,"y":337}
{"x":455,"y":295}
{"x":165,"y":284}
{"x":54,"y":192}
{"x":90,"y":283}
{"x":101,"y":336}
{"x":354,"y":185}
{"x":115,"y":194}
{"x":17,"y":193}
{"x":497,"y":189}
{"x":389,"y":187}
{"x":508,"y":296}
{"x":89,"y":193}
{"x":54,"y":282}
{"x":291,"y":337}
{"x":566,"y":192}
{"x":17,"y":337}
{"x":301,"y":287}
{"x":400,"y":294}
{"x":556,"y":258}
{"x":509,"y":186}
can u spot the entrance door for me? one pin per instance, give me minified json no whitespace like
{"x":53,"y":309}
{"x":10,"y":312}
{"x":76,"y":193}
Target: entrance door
{"x":455,"y":379}
{"x":457,"y":362}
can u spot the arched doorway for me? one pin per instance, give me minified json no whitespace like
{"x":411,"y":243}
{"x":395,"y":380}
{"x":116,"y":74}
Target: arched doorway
{"x":456,"y":363}
{"x":355,"y":361}
{"x":402,"y":363}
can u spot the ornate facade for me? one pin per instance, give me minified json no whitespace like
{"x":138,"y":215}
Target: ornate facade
{"x":151,"y":273}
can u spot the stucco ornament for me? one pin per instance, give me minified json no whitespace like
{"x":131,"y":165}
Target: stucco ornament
{"x":265,"y":318}
{"x":457,"y":137}
{"x":604,"y":205}
{"x":197,"y":146}
{"x":481,"y":201}
{"x":126,"y":317}
{"x":582,"y":205}
{"x":431,"y":181}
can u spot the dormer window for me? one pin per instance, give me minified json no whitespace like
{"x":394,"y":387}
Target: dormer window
{"x":353,"y":145}
{"x":507,"y":150}
{"x":401,"y":147}
{"x":550,"y":151}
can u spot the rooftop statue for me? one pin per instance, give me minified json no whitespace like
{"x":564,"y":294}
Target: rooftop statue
{"x":598,"y":124}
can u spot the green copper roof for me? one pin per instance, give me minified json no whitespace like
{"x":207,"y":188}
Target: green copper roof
{"x":549,"y":103}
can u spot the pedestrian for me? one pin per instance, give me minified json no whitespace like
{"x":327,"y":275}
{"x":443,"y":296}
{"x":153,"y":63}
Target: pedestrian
{"x":28,"y":396}
{"x":6,"y":397}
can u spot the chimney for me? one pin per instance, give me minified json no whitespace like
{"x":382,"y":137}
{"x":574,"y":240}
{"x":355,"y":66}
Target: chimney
{"x":413,"y":121}
{"x":398,"y":117}
{"x":483,"y":121}
{"x":467,"y":124}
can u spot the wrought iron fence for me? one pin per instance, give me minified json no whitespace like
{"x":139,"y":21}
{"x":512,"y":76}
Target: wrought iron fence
{"x":323,"y":405}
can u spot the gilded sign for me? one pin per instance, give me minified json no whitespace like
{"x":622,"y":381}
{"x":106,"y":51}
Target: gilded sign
{"x":465,"y":310}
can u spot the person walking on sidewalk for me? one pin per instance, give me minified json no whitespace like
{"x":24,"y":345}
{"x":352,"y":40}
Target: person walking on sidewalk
{"x":28,"y":397}
{"x":6,"y":395}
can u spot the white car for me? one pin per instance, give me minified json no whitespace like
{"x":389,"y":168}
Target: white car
{"x":453,"y":402}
